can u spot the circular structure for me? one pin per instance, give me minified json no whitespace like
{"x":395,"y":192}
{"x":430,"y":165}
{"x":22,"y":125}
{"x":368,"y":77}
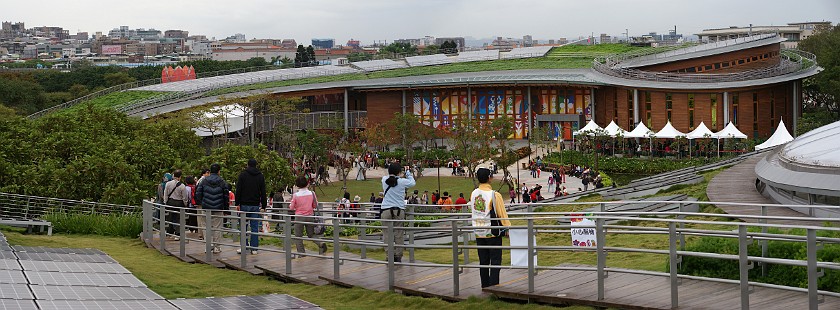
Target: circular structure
{"x":804,"y":171}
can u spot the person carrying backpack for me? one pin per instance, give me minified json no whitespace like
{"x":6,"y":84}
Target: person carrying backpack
{"x":393,"y":206}
{"x":488,"y":209}
{"x":213,"y":195}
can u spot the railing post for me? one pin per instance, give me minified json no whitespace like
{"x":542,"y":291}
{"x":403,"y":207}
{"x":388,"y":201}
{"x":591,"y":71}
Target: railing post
{"x":147,"y":218}
{"x":602,"y":256}
{"x":363,"y":233}
{"x":389,"y":252}
{"x":456,"y":290}
{"x":182,"y":232}
{"x":208,"y":235}
{"x":673,"y":260}
{"x":336,"y":249}
{"x":531,"y":252}
{"x":411,"y":233}
{"x":162,"y":225}
{"x":813,"y":272}
{"x":287,"y":241}
{"x":243,"y":232}
{"x":744,"y":267}
{"x":764,"y":248}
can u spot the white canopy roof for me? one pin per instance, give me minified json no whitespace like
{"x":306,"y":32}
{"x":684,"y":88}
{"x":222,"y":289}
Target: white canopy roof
{"x":730,"y":131}
{"x":590,"y":129}
{"x":669,"y":132}
{"x":641,"y":131}
{"x":229,"y":116}
{"x":613,"y":129}
{"x":700,"y":132}
{"x":781,"y":136}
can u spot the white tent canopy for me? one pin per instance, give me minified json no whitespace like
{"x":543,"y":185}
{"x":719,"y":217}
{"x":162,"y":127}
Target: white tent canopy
{"x":613,"y":130}
{"x":781,"y":136}
{"x":730,"y":131}
{"x":668,"y":132}
{"x":641,"y":131}
{"x":700,"y":132}
{"x":226,"y":119}
{"x":589,"y":129}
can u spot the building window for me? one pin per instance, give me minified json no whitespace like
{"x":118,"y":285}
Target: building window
{"x":735,"y":109}
{"x":713,"y":99}
{"x":691,"y":111}
{"x":669,"y":104}
{"x":647,"y":108}
{"x":631,"y":116}
{"x":755,"y":112}
{"x":772,"y":109}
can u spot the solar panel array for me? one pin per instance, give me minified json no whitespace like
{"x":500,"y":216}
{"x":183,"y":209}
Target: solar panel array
{"x":477,"y":56}
{"x":273,"y":301}
{"x":82,"y":279}
{"x":381,"y":64}
{"x":247,"y":78}
{"x":428,"y":60}
{"x":527,"y":52}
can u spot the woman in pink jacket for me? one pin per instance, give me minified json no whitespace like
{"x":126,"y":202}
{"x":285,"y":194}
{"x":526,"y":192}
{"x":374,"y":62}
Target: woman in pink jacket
{"x":304,"y":203}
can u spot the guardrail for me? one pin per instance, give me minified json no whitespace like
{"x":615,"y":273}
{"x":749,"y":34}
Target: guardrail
{"x":791,"y":61}
{"x":674,"y":225}
{"x":311,"y":120}
{"x":34,"y":207}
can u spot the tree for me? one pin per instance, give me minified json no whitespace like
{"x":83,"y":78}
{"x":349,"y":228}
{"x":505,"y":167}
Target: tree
{"x":408,"y":133}
{"x":301,"y":57}
{"x":233,"y":158}
{"x":310,"y":53}
{"x":358,"y":56}
{"x":396,"y":49}
{"x":117,"y":78}
{"x":78,"y":90}
{"x":502,"y":127}
{"x":822,"y":91}
{"x":473,"y":143}
{"x":431,"y":49}
{"x":449,"y":47}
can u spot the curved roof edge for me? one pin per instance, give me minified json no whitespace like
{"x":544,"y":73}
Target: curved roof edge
{"x":702,"y":53}
{"x":612,"y":80}
{"x":772,"y":171}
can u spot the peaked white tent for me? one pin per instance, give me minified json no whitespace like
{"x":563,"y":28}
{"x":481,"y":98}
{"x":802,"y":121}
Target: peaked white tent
{"x":613,"y":130}
{"x":730,"y":131}
{"x":701,"y":132}
{"x":781,"y":136}
{"x":668,"y":132}
{"x":641,"y":131}
{"x":589,"y":129}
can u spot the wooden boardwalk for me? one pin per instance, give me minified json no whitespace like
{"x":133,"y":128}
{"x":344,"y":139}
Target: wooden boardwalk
{"x":737,"y":184}
{"x":624,"y":290}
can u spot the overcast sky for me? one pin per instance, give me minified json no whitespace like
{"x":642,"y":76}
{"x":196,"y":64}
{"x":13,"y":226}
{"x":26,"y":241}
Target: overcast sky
{"x":369,"y":20}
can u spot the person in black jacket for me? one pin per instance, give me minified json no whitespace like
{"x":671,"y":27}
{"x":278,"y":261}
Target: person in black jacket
{"x":213,"y":196}
{"x":251,"y":198}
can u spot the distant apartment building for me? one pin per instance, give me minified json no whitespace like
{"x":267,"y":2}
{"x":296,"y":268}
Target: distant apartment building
{"x":51,"y":32}
{"x":245,"y":51}
{"x":236,"y":38}
{"x":527,"y":40}
{"x":354,"y":43}
{"x":604,"y":39}
{"x":793,"y":32}
{"x":176,"y":34}
{"x":288,"y":43}
{"x":11,"y":30}
{"x":323,"y":43}
{"x":504,"y":44}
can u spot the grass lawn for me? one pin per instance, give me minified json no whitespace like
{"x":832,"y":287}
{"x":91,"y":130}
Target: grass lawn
{"x":172,"y":278}
{"x":119,"y":98}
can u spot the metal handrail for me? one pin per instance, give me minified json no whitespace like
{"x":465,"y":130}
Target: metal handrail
{"x":460,"y":229}
{"x":35,"y":207}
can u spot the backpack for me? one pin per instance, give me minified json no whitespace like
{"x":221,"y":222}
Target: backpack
{"x":482,"y":217}
{"x":413,"y":200}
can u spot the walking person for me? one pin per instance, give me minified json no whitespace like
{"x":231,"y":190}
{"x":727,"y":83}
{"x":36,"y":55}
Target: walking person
{"x":393,"y":206}
{"x":212,"y":193}
{"x":488,"y":209}
{"x":304,"y":203}
{"x":252,"y":198}
{"x":177,"y":196}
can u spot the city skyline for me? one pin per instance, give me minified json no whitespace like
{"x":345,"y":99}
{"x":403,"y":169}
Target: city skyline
{"x":364,"y":20}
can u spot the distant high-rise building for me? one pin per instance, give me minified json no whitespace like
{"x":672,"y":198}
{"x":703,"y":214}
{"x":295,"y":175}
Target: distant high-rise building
{"x":12,"y":30}
{"x":604,"y":38}
{"x":527,"y":40}
{"x":354,"y":43}
{"x":323,"y":43}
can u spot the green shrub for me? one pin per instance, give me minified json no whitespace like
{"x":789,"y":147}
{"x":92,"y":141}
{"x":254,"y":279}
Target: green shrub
{"x":116,"y":225}
{"x":622,"y":165}
{"x":776,"y":274}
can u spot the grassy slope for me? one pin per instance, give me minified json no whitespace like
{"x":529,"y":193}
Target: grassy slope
{"x":172,"y":278}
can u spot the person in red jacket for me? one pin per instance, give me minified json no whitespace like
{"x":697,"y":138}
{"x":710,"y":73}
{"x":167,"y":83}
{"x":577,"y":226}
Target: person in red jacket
{"x":460,"y":202}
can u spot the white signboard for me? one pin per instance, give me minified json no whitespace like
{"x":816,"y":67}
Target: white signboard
{"x":583,"y":231}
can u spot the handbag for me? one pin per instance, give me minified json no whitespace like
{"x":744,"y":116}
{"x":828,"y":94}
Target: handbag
{"x":496,"y":232}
